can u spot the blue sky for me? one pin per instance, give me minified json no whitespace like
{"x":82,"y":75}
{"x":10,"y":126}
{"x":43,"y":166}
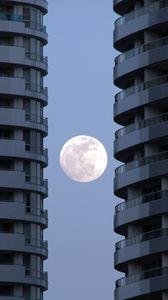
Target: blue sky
{"x":80,"y":234}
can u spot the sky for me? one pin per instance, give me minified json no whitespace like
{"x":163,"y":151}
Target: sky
{"x":81,"y":95}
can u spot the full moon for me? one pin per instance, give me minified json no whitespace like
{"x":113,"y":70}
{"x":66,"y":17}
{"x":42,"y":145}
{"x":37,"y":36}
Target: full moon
{"x":83,"y":158}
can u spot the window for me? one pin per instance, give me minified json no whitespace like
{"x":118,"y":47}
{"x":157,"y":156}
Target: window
{"x":28,"y":202}
{"x":5,"y":134}
{"x":5,"y":165}
{"x":26,"y":263}
{"x":26,"y":293}
{"x":26,"y":16}
{"x":6,"y":227}
{"x":6,"y":196}
{"x":6,"y":259}
{"x":6,"y":290}
{"x":26,"y":138}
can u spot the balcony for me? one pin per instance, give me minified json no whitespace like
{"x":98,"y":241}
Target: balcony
{"x":36,"y":183}
{"x":16,"y":210}
{"x":36,"y":246}
{"x":142,"y":49}
{"x":37,"y":57}
{"x":36,"y":88}
{"x":141,"y":162}
{"x":35,"y":277}
{"x":11,"y":17}
{"x":141,"y":124}
{"x":19,"y":18}
{"x":141,"y":11}
{"x":142,"y":276}
{"x":141,"y":87}
{"x":142,"y":238}
{"x":38,"y":122}
{"x":37,"y":91}
{"x":147,"y":198}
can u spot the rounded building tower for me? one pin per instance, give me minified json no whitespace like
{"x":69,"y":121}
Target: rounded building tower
{"x":22,"y":156}
{"x":141,"y":108}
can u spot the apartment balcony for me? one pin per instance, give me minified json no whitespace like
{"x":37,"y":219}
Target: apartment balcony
{"x":148,"y":205}
{"x":149,"y":92}
{"x":15,"y":148}
{"x":16,"y":55}
{"x":16,"y":24}
{"x":18,"y":242}
{"x":11,"y":273}
{"x":140,"y":170}
{"x":18,"y":118}
{"x":36,"y":278}
{"x":16,"y":86}
{"x":16,"y":211}
{"x":148,"y":243}
{"x":36,"y":246}
{"x":143,"y":18}
{"x":12,"y":179}
{"x":148,"y":130}
{"x":142,"y":284}
{"x":41,"y":4}
{"x":131,"y":62}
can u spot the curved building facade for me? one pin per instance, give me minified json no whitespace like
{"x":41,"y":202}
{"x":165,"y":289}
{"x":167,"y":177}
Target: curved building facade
{"x":22,"y":155}
{"x":141,"y":145}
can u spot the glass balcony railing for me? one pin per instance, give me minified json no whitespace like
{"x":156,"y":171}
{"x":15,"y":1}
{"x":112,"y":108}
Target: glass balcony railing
{"x":36,"y":119}
{"x":141,"y":87}
{"x":141,"y":124}
{"x":138,"y":50}
{"x":34,"y":25}
{"x":29,"y":272}
{"x":36,"y":57}
{"x":32,"y":149}
{"x":19,"y":18}
{"x":141,"y":11}
{"x":141,"y":276}
{"x":29,"y":55}
{"x":37,"y":212}
{"x":141,"y":162}
{"x":11,"y":17}
{"x":36,"y":180}
{"x":141,"y":200}
{"x":154,"y":234}
{"x":36,"y":88}
{"x":36,"y":243}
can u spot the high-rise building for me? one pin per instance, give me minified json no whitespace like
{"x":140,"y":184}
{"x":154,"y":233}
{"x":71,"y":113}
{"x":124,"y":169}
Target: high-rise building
{"x":141,"y":108}
{"x":22,"y":155}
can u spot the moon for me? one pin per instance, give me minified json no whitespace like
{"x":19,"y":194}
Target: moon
{"x":83,"y":158}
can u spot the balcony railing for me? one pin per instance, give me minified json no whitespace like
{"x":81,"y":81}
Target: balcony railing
{"x":36,"y":88}
{"x":11,"y":17}
{"x":19,"y":18}
{"x":36,"y":243}
{"x":138,"y":50}
{"x":141,"y":276}
{"x":36,"y":119}
{"x":141,"y":87}
{"x":36,"y":180}
{"x":34,"y":25}
{"x":142,"y":238}
{"x":141,"y":11}
{"x":29,"y":55}
{"x":141,"y":124}
{"x":141,"y":200}
{"x":36,"y":274}
{"x":36,"y":57}
{"x":141,"y":162}
{"x":39,"y":212}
